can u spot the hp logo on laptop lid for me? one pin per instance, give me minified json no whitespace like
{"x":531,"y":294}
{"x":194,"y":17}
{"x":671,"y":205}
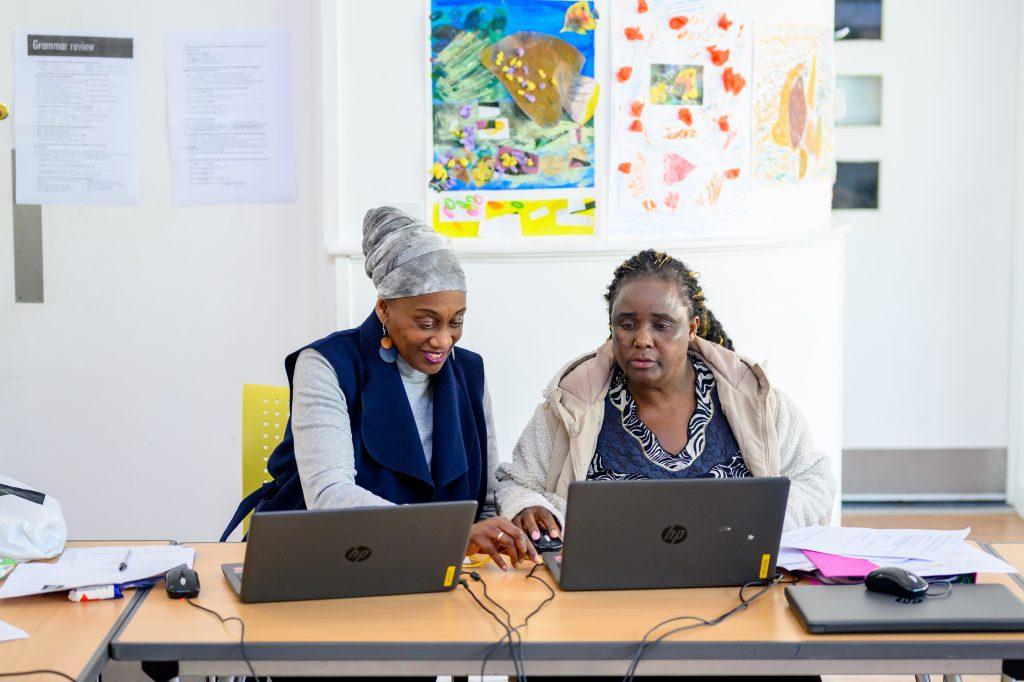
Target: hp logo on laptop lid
{"x":673,"y":535}
{"x":358,"y":553}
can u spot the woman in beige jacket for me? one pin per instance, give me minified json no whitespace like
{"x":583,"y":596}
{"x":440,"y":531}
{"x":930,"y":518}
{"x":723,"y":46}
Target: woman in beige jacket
{"x":665,"y":397}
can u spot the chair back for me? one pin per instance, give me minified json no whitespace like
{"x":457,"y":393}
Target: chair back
{"x":265,"y":412}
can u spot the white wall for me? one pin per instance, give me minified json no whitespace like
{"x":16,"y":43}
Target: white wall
{"x":1016,"y":416}
{"x":121,"y":394}
{"x":928,"y":275}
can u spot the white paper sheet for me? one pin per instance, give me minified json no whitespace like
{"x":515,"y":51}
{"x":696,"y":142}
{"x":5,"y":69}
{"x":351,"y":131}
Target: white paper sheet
{"x":229,"y":101}
{"x":9,"y":632}
{"x":793,"y":559}
{"x":76,"y":118}
{"x":94,"y":566}
{"x":963,"y":559}
{"x":932,"y":545}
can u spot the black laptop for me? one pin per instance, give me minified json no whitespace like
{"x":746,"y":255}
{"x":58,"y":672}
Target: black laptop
{"x":676,"y":533}
{"x":324,"y":554}
{"x":852,"y":608}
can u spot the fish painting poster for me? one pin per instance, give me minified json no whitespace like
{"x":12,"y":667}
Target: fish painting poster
{"x":680,"y":141}
{"x":793,"y":104}
{"x":513,"y":97}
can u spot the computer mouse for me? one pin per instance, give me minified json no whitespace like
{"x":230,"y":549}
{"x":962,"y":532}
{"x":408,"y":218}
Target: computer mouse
{"x":896,"y":581}
{"x":546,"y":543}
{"x":182,"y":582}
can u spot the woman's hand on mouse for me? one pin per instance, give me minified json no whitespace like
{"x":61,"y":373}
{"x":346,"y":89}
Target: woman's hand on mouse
{"x":537,"y":520}
{"x":496,"y":536}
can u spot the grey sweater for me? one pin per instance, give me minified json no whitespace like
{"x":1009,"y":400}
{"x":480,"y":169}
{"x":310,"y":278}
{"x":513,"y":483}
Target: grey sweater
{"x":324,"y":453}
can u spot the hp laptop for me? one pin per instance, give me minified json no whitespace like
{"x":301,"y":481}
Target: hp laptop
{"x":852,"y":608}
{"x":680,"y":533}
{"x":325,"y":554}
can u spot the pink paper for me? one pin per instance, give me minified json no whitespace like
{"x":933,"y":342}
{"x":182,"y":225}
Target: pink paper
{"x":835,"y":566}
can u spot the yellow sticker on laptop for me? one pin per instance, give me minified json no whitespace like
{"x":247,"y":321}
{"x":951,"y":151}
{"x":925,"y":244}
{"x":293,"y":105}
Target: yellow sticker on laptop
{"x":449,"y":576}
{"x":766,"y":560}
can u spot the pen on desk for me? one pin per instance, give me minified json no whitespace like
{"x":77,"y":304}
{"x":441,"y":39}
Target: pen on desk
{"x":124,"y":562}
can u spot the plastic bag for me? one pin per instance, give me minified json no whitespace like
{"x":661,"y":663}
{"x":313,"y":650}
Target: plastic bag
{"x":31,"y":523}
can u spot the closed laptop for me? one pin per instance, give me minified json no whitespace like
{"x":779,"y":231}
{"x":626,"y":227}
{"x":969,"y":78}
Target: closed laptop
{"x":852,"y":608}
{"x":324,"y":554}
{"x":672,"y":533}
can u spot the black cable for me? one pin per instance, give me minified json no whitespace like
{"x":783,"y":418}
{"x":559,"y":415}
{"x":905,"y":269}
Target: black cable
{"x":526,"y":621}
{"x":516,"y":646}
{"x":701,"y":622}
{"x":543,"y":603}
{"x":507,"y":628}
{"x":39,"y":672}
{"x":241,"y":639}
{"x":512,"y":633}
{"x":940,"y":595}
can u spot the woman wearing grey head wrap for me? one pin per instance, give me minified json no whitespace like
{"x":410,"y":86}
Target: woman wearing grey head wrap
{"x":388,"y":413}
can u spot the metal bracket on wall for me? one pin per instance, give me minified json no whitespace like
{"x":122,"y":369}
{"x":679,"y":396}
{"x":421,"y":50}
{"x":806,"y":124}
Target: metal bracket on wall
{"x":28,"y":245}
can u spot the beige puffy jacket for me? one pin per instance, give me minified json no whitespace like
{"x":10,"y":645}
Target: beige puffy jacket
{"x":560,"y":440}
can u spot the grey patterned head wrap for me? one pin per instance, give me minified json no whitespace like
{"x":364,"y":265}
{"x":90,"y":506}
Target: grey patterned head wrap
{"x":405,"y":257}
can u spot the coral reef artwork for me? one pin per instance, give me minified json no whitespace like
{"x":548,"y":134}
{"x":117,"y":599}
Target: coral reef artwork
{"x":513,"y":98}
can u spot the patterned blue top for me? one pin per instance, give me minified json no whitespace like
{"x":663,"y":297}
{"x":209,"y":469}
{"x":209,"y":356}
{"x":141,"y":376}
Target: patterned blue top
{"x":627,"y":450}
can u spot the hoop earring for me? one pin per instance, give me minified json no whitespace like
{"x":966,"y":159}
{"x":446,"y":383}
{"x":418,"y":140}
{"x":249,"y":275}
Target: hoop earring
{"x":387,"y":347}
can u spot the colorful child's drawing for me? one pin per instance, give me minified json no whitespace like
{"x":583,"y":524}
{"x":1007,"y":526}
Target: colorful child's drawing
{"x":793,"y":104}
{"x":679,"y":84}
{"x":513,"y":95}
{"x":680,"y":117}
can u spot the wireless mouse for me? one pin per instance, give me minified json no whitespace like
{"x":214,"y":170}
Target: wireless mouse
{"x":181,"y":582}
{"x":896,"y":581}
{"x":546,"y":543}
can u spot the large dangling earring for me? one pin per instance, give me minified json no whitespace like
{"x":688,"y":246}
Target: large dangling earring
{"x":387,"y":348}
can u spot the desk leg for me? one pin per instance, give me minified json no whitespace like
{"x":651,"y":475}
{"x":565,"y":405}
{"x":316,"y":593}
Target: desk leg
{"x":1013,"y":670}
{"x":160,"y":671}
{"x":922,"y":678}
{"x":951,"y":678}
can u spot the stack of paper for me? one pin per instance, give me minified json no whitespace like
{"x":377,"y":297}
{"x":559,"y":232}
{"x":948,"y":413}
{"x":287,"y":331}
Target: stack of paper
{"x":82,"y":567}
{"x":838,"y":552}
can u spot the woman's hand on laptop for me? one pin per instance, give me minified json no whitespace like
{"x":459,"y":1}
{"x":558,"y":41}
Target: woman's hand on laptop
{"x":496,"y":536}
{"x":537,"y":521}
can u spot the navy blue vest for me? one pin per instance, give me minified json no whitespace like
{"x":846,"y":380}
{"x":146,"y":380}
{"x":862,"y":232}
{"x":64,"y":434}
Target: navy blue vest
{"x":389,"y":457}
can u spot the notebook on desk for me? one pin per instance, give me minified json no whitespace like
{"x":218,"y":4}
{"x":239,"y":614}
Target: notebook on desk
{"x":824,"y":609}
{"x":679,"y":533}
{"x":324,"y":554}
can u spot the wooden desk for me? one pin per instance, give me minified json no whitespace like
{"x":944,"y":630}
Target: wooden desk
{"x":582,"y":633}
{"x":64,"y":636}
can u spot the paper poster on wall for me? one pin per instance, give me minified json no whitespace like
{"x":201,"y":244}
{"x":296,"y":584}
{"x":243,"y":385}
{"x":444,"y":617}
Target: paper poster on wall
{"x":513,"y":95}
{"x":793,"y":104}
{"x":229,"y":101}
{"x":76,"y":118}
{"x":680,"y":116}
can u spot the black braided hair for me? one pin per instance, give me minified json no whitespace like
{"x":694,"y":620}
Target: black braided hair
{"x":651,"y":264}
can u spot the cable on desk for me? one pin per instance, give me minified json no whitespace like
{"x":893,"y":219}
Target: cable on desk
{"x":646,"y":646}
{"x":509,"y":632}
{"x":514,"y":637}
{"x":39,"y":672}
{"x":241,"y":639}
{"x":940,"y":595}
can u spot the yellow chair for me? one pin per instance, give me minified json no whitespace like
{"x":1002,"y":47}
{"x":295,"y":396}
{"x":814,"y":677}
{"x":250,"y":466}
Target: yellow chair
{"x":264,"y":418}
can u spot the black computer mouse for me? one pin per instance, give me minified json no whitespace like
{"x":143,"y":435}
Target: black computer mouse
{"x":182,"y":582}
{"x":896,"y":581}
{"x":546,"y":543}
